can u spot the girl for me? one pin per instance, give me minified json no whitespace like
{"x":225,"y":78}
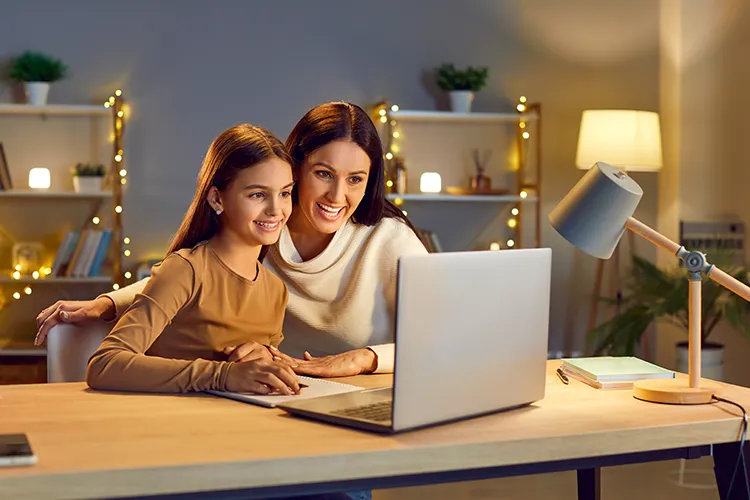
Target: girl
{"x":338,"y":255}
{"x":211,"y":291}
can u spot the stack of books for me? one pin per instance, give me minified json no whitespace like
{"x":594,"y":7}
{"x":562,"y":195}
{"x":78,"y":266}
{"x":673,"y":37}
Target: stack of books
{"x":82,"y":254}
{"x":612,"y":372}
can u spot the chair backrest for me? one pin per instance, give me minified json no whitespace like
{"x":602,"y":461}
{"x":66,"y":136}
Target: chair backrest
{"x":69,"y":347}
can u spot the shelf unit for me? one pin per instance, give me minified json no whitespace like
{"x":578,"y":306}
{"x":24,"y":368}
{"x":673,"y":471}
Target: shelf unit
{"x":83,"y":208}
{"x":527,"y":189}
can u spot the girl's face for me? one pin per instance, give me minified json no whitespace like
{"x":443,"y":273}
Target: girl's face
{"x":257,"y":203}
{"x":331,"y":184}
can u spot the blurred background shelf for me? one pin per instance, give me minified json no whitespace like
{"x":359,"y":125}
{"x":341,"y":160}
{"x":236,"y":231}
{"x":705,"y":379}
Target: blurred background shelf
{"x":54,"y":109}
{"x":463,"y":198}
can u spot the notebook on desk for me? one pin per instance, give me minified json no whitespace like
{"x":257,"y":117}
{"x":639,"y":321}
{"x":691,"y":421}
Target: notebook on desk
{"x":612,"y":372}
{"x":315,"y":387}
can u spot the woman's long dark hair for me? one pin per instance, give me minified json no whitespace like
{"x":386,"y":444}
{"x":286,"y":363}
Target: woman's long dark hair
{"x":234,"y":150}
{"x":336,"y":121}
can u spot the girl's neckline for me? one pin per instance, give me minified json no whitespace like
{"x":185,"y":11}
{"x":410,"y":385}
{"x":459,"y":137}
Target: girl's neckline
{"x":231,"y":271}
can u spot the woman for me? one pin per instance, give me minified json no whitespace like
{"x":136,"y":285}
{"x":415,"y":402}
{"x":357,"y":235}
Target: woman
{"x":337,"y":256}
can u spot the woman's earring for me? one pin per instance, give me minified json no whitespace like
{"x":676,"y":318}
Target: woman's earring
{"x":218,"y":211}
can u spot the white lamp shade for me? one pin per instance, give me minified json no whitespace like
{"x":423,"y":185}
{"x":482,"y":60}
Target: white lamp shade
{"x":39,"y":178}
{"x":626,"y":139}
{"x":430,"y":182}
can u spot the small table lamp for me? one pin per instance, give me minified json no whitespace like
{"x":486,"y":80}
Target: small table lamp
{"x":593,"y":217}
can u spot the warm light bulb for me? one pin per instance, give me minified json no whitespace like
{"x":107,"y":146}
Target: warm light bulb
{"x":494,"y":245}
{"x":382,"y":112}
{"x":126,"y":241}
{"x":525,"y":135}
{"x":118,"y":208}
{"x":383,"y":119}
{"x":430,"y":182}
{"x":115,"y":287}
{"x":118,"y":158}
{"x":128,"y":275}
{"x":106,"y":104}
{"x":398,"y":201}
{"x":118,"y":92}
{"x":512,"y":223}
{"x":39,"y":178}
{"x":389,"y":183}
{"x":511,"y":243}
{"x":95,"y":220}
{"x":394,"y":108}
{"x":35,"y":275}
{"x":514,"y":211}
{"x":18,"y":267}
{"x":123,"y":172}
{"x":389,"y":156}
{"x":27,"y":290}
{"x":47,"y":271}
{"x":127,"y":253}
{"x":123,"y":181}
{"x":521,"y":108}
{"x":524,"y":194}
{"x":396,"y":135}
{"x":523,"y":98}
{"x":16,"y":275}
{"x":120,"y":114}
{"x":16,"y":295}
{"x":111,"y":100}
{"x":522,"y":124}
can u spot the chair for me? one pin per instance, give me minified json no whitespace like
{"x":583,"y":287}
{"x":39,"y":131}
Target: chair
{"x":69,"y":347}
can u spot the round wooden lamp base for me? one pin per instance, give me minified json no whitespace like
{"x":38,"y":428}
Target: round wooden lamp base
{"x":674,"y":391}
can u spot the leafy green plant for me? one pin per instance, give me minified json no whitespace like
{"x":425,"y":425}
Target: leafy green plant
{"x":33,"y":66}
{"x":88,"y":170}
{"x":652,"y":294}
{"x":449,"y":78}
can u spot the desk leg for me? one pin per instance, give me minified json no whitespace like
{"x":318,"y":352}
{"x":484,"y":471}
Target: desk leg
{"x":725,"y":459}
{"x":589,"y":484}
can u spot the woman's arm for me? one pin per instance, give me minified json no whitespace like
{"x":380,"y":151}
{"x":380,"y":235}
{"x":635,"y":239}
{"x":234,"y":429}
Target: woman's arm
{"x":125,"y":296}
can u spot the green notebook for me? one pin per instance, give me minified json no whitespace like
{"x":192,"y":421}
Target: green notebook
{"x":615,"y":368}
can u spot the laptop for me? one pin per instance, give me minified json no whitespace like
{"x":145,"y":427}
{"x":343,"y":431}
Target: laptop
{"x":471,"y":339}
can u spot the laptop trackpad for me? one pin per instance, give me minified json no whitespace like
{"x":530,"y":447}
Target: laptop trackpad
{"x":370,"y":404}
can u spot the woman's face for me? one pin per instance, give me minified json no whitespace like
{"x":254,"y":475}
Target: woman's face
{"x":331,"y":184}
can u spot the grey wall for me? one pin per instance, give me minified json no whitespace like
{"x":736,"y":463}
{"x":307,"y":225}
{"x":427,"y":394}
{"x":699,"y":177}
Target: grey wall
{"x":190,"y":69}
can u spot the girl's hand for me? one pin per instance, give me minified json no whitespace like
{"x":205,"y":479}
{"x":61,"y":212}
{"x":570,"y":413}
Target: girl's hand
{"x":262,"y":377}
{"x":249,"y":351}
{"x":346,"y":364}
{"x":72,"y":311}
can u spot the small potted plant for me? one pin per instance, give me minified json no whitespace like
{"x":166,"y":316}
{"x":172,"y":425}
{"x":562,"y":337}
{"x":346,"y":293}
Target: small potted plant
{"x":36,"y":71}
{"x":88,"y":178}
{"x":461,"y":85}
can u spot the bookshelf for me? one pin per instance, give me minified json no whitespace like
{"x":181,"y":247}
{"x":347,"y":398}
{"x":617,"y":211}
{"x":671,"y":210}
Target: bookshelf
{"x":56,"y":136}
{"x":450,"y":143}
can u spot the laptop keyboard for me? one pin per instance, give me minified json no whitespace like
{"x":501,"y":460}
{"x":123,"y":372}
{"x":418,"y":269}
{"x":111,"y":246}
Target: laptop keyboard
{"x":377,"y":412}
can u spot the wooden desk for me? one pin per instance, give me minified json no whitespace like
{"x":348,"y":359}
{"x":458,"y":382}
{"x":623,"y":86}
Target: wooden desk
{"x":93,"y":445}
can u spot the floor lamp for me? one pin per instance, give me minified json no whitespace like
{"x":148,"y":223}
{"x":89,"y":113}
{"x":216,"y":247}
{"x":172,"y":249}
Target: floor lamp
{"x":631,"y":141}
{"x":593,"y":216}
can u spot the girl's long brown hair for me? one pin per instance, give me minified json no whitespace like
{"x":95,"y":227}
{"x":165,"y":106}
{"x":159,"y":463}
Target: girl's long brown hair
{"x":234,"y":150}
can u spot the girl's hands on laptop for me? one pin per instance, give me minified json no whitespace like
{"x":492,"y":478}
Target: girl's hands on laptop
{"x":262,"y":377}
{"x":346,"y":364}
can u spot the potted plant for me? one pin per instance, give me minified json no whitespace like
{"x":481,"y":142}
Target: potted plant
{"x":461,"y":85}
{"x":88,"y":178}
{"x":652,"y":294}
{"x":36,"y":71}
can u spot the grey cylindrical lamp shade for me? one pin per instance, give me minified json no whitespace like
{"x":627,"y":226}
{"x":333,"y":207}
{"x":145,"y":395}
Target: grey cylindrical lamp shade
{"x":593,"y":214}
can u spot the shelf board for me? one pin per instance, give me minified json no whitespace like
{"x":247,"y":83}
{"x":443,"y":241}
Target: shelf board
{"x":464,"y":198}
{"x":28,"y":280}
{"x":449,"y":116}
{"x":54,"y":109}
{"x":21,"y":352}
{"x":43,"y":193}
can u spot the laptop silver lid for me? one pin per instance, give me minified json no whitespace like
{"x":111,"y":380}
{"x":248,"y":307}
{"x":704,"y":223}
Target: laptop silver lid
{"x":471,"y":334}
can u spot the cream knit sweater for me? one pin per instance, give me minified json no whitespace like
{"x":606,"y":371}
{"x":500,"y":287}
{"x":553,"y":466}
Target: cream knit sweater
{"x":344,"y":298}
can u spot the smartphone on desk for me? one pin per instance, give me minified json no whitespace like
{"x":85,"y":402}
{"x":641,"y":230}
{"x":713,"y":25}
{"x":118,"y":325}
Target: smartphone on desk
{"x":15,"y":450}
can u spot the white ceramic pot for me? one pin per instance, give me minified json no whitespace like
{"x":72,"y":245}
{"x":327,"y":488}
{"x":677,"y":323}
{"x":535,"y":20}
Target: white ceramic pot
{"x":461,"y":101}
{"x":36,"y":93}
{"x":87,"y":184}
{"x":712,"y":360}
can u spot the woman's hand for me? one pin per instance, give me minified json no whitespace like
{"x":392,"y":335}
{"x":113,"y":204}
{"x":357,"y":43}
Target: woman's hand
{"x":249,"y":351}
{"x":262,"y":377}
{"x":346,"y":364}
{"x":72,"y":311}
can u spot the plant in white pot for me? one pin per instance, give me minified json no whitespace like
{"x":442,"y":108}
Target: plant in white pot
{"x":88,"y":178}
{"x":652,"y":294}
{"x":461,"y":85}
{"x":36,"y":71}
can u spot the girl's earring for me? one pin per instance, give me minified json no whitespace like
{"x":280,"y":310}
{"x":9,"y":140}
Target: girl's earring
{"x":218,"y":211}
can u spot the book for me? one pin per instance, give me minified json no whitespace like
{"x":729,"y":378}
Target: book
{"x":316,"y":387}
{"x":613,"y":369}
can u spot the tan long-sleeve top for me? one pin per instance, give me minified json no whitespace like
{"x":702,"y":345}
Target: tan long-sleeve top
{"x":171,"y":338}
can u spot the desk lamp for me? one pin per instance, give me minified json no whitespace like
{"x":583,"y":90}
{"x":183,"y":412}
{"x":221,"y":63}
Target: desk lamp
{"x":593,"y":217}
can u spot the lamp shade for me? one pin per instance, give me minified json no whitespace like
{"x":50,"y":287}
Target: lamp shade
{"x":627,"y":139}
{"x":593,"y":214}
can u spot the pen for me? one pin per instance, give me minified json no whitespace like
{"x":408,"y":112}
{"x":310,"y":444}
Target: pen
{"x":562,"y":376}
